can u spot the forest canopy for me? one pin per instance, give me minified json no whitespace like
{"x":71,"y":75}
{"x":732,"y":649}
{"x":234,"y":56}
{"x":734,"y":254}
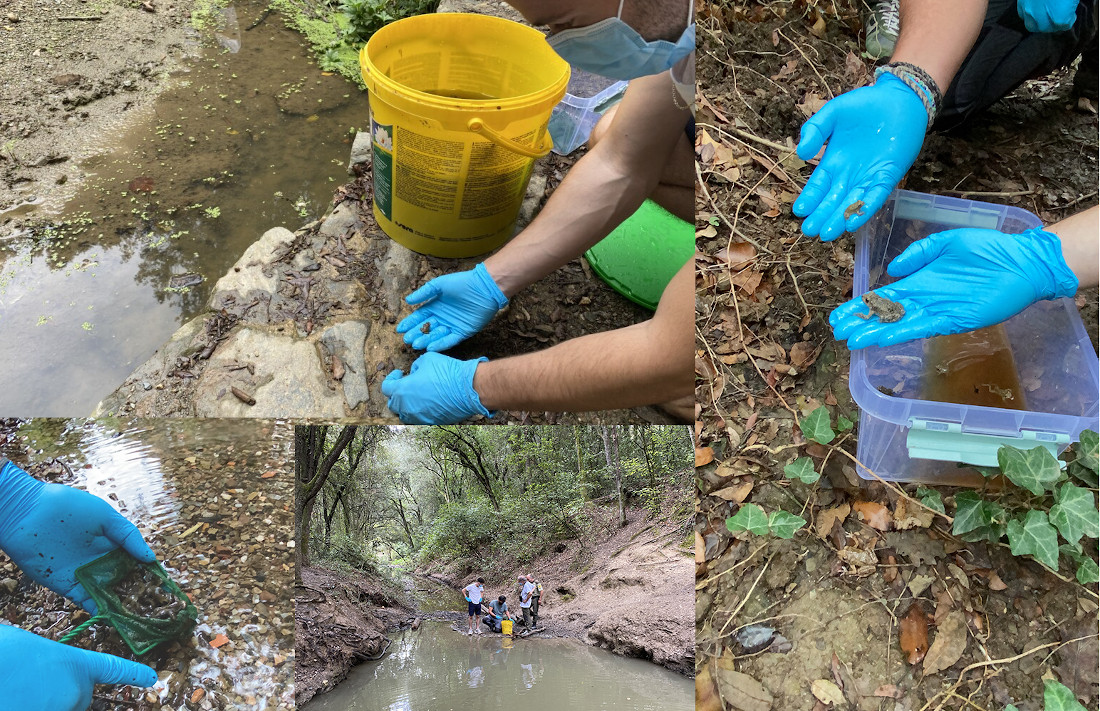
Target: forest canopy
{"x":475,"y":496}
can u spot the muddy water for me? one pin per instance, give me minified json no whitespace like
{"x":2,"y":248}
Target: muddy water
{"x":240,"y":143}
{"x":197,"y":491}
{"x":439,"y":669}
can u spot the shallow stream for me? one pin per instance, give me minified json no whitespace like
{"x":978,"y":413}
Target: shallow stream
{"x":214,"y":501}
{"x":436,"y":668}
{"x":239,"y":143}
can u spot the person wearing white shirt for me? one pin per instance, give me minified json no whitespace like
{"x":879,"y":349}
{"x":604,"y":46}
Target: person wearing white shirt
{"x":473,"y":593}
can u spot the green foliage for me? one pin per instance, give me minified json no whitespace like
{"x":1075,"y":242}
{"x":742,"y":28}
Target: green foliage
{"x":1033,"y":524}
{"x":815,"y":426}
{"x":1057,"y":697}
{"x":802,"y":469}
{"x":1034,"y":536}
{"x":843,"y":424}
{"x":1033,"y":469}
{"x":365,"y":17}
{"x":752,"y":519}
{"x":931,"y":498}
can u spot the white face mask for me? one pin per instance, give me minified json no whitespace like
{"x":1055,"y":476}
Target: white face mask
{"x":614,"y":49}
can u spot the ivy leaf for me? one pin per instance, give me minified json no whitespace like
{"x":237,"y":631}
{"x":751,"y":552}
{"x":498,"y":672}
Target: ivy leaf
{"x":1034,"y":469}
{"x":843,"y":424}
{"x":1057,"y":697}
{"x":749,"y":517}
{"x":1075,"y":514}
{"x":931,"y":498}
{"x":784,"y":525}
{"x":1034,"y":537}
{"x":1088,"y":450}
{"x":970,"y":512}
{"x":1083,"y":474}
{"x":802,"y":469}
{"x":816,"y":426}
{"x":1087,"y":571}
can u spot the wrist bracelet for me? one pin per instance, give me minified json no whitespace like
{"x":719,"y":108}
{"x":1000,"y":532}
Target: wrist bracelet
{"x":922,"y":84}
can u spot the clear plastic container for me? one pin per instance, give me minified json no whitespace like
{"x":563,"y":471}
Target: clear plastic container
{"x":905,"y":438}
{"x":586,"y":98}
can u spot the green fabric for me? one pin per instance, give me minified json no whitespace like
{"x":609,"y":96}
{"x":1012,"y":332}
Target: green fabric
{"x":141,"y":634}
{"x":642,"y":254}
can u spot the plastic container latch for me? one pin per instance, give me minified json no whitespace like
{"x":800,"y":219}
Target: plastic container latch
{"x":946,"y":442}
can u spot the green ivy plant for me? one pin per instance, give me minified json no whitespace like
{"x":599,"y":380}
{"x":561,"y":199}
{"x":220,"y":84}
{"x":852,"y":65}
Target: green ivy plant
{"x":752,"y":519}
{"x":1056,"y":697}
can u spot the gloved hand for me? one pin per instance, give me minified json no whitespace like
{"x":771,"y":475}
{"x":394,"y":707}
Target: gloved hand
{"x":50,"y":530}
{"x":874,"y":135}
{"x":960,"y":280}
{"x":38,"y":674}
{"x":439,"y":390}
{"x":1047,"y":15}
{"x":455,"y":305}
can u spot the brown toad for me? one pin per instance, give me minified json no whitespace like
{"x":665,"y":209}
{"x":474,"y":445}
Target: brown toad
{"x":887,"y":311}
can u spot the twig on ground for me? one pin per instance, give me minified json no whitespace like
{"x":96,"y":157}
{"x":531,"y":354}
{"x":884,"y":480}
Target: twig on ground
{"x":796,"y":289}
{"x":737,"y":611}
{"x":808,"y":61}
{"x":722,"y":216}
{"x":705,"y":582}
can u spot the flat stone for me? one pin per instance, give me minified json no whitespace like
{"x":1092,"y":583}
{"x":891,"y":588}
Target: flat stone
{"x":360,"y":151}
{"x":535,"y":190}
{"x":247,"y":275}
{"x":345,"y":340}
{"x":343,"y":219}
{"x":400,"y":269}
{"x":289,"y":379}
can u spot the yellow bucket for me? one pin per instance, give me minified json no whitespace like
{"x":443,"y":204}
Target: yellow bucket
{"x":459,"y":105}
{"x":506,"y":627}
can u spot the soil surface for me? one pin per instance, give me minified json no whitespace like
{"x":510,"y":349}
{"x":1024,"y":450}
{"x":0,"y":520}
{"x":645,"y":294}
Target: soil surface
{"x":622,"y":589}
{"x":777,"y":619}
{"x":68,"y":85}
{"x":340,"y":620}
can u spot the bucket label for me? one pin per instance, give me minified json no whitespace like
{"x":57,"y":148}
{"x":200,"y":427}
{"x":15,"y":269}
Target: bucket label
{"x":382,"y":167}
{"x":428,"y":170}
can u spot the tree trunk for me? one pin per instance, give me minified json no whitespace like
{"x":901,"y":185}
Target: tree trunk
{"x":311,"y":470}
{"x":611,"y":452}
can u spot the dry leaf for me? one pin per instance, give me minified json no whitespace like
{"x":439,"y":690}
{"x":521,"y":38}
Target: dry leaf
{"x":737,"y":493}
{"x":706,"y":692}
{"x":826,"y":518}
{"x":914,"y":634}
{"x":908,"y":515}
{"x":803,"y":354}
{"x":268,"y":474}
{"x":827,"y":692}
{"x":995,"y":582}
{"x":703,"y":456}
{"x":748,"y":280}
{"x":818,"y":30}
{"x":743,"y":692}
{"x":874,"y":514}
{"x":950,"y":643}
{"x":737,"y":255}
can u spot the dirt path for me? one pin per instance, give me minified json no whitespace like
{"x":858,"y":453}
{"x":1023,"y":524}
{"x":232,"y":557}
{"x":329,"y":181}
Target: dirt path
{"x":67,"y":85}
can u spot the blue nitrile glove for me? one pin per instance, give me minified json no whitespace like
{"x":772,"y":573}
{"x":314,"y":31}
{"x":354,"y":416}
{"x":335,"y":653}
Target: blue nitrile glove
{"x":874,"y":135}
{"x":1047,"y":15}
{"x":38,"y":674}
{"x":439,"y":390}
{"x":960,"y":280}
{"x":50,"y":530}
{"x":456,"y":305}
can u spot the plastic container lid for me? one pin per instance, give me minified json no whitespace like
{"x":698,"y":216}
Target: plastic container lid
{"x":1048,"y":343}
{"x":587,"y":96}
{"x":643,"y":253}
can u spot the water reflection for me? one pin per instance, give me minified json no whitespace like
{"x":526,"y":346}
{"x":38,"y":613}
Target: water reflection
{"x":439,"y":669}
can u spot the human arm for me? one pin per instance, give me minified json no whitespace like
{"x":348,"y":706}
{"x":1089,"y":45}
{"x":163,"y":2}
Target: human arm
{"x":873,"y":135}
{"x":642,"y":364}
{"x":601,"y":190}
{"x":961,"y":280}
{"x":38,"y":674}
{"x":49,"y":530}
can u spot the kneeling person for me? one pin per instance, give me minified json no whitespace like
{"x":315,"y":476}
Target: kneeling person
{"x":498,"y":611}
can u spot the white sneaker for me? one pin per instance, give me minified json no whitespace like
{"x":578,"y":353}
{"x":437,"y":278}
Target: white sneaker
{"x":479,"y":631}
{"x":468,"y":633}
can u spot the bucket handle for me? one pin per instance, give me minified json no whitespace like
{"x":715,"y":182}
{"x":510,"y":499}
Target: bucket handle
{"x":478,"y":126}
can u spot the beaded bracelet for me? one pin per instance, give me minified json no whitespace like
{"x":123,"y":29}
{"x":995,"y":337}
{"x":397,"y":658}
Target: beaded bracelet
{"x":920,"y":82}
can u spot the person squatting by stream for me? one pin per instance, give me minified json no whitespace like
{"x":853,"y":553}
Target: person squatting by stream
{"x":638,"y":150}
{"x":950,"y":62}
{"x":50,"y":530}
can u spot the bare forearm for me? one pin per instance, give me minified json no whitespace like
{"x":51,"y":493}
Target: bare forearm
{"x":642,"y":364}
{"x":936,"y":35}
{"x":1080,"y":236}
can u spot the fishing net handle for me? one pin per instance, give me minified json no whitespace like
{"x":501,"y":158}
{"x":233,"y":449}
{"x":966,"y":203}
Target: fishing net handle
{"x":70,"y":636}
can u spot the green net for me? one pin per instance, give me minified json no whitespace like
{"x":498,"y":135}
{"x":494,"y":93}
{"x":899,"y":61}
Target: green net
{"x":139,"y":600}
